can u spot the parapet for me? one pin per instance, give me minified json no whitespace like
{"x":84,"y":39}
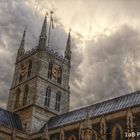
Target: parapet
{"x":56,"y":55}
{"x":48,"y":51}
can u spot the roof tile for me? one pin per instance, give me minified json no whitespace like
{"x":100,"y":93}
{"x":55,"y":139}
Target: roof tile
{"x":97,"y":109}
{"x":10,"y":119}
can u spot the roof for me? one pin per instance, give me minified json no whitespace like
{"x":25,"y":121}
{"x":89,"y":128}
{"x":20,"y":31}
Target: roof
{"x":10,"y":119}
{"x":102,"y":108}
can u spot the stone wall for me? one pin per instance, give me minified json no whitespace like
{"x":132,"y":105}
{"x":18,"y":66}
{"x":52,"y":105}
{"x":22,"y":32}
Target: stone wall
{"x":7,"y":133}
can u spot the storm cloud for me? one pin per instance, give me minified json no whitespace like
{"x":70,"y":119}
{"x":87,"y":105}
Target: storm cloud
{"x":105,"y":44}
{"x":110,"y":66}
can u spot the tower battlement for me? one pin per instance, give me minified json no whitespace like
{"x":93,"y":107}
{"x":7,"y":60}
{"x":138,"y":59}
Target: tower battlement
{"x":26,"y":54}
{"x":56,"y":55}
{"x":48,"y":51}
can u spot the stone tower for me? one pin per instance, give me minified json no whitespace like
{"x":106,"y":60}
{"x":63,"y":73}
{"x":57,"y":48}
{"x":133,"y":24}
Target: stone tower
{"x":40,"y":87}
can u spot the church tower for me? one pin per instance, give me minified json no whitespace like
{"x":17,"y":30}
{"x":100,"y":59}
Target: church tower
{"x":40,"y":87}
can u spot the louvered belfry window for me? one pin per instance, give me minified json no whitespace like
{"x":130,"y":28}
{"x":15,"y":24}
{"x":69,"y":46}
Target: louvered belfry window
{"x":60,"y":76}
{"x":17,"y":98}
{"x":25,"y":96}
{"x":50,"y":70}
{"x":118,"y":134}
{"x":29,"y":69}
{"x":58,"y":100}
{"x":47,"y":97}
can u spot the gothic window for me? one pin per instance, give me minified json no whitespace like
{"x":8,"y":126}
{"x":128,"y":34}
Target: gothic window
{"x":72,"y":137}
{"x":47,"y":97}
{"x":57,"y":104}
{"x":117,"y":133}
{"x":60,"y":76}
{"x":94,"y":135}
{"x":26,"y":89}
{"x":50,"y":70}
{"x":20,"y":78}
{"x":29,"y":69}
{"x":17,"y":98}
{"x":87,"y":135}
{"x":21,"y":71}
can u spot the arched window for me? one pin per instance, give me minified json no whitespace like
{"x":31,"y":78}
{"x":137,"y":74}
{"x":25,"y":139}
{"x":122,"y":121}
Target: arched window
{"x":29,"y":69}
{"x":47,"y":97}
{"x":72,"y":137}
{"x":22,"y":68}
{"x":50,"y":70}
{"x":94,"y":135}
{"x":25,"y":96}
{"x":88,"y":134}
{"x":17,"y":98}
{"x":57,"y":104}
{"x":20,"y":78}
{"x":117,"y":133}
{"x":60,"y":76}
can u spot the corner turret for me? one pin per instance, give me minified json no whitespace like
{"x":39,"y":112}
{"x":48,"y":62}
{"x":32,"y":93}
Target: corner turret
{"x":43,"y":36}
{"x":21,"y":49}
{"x":68,"y":48}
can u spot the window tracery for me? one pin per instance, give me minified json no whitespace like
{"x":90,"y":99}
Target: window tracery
{"x":58,"y":100}
{"x":17,"y":98}
{"x":72,"y":137}
{"x":47,"y":97}
{"x":25,"y":95}
{"x":29,"y":69}
{"x":50,"y":70}
{"x":117,"y":133}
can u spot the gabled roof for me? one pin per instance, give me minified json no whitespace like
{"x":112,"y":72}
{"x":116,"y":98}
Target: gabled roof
{"x":10,"y":119}
{"x":102,"y":108}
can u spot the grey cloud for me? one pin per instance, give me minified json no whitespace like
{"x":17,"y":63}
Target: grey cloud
{"x":102,"y":69}
{"x":110,"y":66}
{"x":13,"y":16}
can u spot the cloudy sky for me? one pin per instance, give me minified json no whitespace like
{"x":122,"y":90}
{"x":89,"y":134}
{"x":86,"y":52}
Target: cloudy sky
{"x":105,"y":43}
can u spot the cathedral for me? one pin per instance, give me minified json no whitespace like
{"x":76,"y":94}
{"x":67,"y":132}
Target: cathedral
{"x":39,"y":97}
